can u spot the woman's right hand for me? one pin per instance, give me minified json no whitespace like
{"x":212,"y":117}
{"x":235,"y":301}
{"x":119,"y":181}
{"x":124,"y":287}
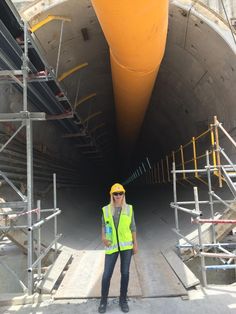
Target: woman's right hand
{"x":106,"y":242}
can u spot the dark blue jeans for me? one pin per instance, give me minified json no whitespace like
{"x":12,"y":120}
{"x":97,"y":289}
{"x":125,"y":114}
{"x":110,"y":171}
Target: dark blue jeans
{"x":110,"y":261}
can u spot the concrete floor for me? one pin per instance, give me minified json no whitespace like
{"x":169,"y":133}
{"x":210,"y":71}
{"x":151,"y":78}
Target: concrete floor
{"x":216,"y":299}
{"x":80,"y":225}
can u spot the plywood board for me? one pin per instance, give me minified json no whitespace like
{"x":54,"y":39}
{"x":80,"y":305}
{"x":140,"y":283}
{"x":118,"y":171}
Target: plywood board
{"x":19,"y":237}
{"x":83,"y":279}
{"x":54,"y":272}
{"x":156,"y":277}
{"x":182,"y":271}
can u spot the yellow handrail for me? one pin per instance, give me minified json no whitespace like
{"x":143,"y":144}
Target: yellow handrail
{"x":213,"y":147}
{"x":187,"y":144}
{"x":178,"y":156}
{"x":217,"y":151}
{"x":195,"y":156}
{"x":201,"y":135}
{"x":181,"y":155}
{"x":182,"y":161}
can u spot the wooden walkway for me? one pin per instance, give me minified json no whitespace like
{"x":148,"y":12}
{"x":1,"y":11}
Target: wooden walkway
{"x":150,"y":276}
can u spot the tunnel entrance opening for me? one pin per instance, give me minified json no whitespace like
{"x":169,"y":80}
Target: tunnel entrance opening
{"x":193,"y":97}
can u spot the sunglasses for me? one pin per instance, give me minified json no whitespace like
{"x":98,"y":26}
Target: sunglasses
{"x":118,"y":193}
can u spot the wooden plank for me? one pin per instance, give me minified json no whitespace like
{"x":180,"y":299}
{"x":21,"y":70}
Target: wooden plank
{"x":7,"y":299}
{"x":83,"y":279}
{"x":19,"y":237}
{"x":221,"y":231}
{"x":156,"y":277}
{"x":54,"y":272}
{"x":186,"y":276}
{"x":10,"y":205}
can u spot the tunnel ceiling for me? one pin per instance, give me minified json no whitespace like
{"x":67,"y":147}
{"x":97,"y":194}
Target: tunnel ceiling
{"x":196,"y":80}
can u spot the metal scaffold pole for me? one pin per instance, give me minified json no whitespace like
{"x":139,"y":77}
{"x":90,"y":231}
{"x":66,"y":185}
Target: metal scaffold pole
{"x":55,"y":209}
{"x":197,"y":209}
{"x":39,"y":240}
{"x":29,"y":158}
{"x":175,"y":200}
{"x":211,"y":204}
{"x":30,"y":200}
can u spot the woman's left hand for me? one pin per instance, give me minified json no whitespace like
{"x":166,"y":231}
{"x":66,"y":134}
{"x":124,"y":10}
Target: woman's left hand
{"x":135,"y":248}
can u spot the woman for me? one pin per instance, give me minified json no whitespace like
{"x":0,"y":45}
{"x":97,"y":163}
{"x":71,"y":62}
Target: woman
{"x":119,"y":237}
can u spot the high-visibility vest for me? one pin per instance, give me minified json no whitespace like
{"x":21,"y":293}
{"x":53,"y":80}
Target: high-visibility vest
{"x":122,"y":237}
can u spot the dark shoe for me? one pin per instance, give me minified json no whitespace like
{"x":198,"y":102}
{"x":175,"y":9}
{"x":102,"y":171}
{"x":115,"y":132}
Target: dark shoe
{"x":124,"y":306}
{"x":102,"y":307}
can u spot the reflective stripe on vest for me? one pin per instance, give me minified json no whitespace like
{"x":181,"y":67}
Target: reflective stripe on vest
{"x":111,"y":247}
{"x":107,"y":211}
{"x":122,"y":244}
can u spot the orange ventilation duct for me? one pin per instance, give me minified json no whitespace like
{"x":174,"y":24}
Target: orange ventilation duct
{"x":136,"y":33}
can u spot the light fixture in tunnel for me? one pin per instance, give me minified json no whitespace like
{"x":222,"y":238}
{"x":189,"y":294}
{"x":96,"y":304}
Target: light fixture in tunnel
{"x":144,"y":167}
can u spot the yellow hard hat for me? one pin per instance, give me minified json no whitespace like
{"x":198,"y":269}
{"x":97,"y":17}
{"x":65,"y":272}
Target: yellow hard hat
{"x":117,"y":188}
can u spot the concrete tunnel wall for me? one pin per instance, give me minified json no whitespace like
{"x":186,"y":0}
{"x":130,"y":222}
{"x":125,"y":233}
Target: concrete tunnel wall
{"x":196,"y":79}
{"x":196,"y":82}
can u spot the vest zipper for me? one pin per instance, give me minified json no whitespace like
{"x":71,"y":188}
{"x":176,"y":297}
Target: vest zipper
{"x":117,"y":237}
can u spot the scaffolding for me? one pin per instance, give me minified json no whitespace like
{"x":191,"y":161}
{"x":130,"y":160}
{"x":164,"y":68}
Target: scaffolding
{"x":25,"y":206}
{"x":224,"y":169}
{"x":22,"y":63}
